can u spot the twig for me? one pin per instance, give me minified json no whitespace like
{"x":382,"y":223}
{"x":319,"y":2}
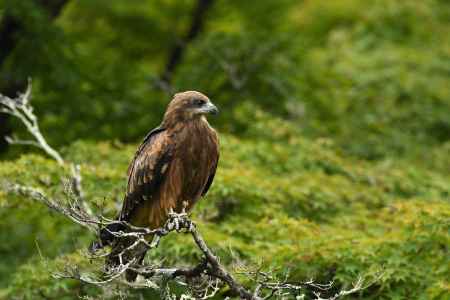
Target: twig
{"x":210,"y":266}
{"x":20,"y":108}
{"x":73,"y":210}
{"x":217,"y":270}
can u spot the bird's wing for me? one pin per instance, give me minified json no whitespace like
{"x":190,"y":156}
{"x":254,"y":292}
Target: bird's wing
{"x":147,"y":171}
{"x":210,"y":178}
{"x":213,"y":169}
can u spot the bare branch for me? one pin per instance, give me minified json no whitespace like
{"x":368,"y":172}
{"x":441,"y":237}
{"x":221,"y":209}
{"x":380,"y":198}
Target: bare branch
{"x":73,"y":210}
{"x":76,"y":182}
{"x":16,"y":141}
{"x":209,"y":271}
{"x":20,"y":108}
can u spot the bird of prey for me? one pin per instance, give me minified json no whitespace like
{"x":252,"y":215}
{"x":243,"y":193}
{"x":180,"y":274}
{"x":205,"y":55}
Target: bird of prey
{"x":171,"y":170}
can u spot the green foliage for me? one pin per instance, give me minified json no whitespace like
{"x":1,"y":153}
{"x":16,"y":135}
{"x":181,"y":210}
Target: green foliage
{"x":375,"y":72}
{"x":335,"y":135}
{"x":379,"y":75}
{"x":296,"y":204}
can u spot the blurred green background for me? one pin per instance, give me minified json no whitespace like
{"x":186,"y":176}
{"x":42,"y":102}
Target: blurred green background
{"x":334,"y":125}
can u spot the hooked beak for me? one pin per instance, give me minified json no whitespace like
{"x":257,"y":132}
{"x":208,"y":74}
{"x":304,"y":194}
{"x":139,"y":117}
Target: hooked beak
{"x":211,"y":109}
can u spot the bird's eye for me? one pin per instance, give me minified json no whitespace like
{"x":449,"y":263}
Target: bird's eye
{"x":199,"y":102}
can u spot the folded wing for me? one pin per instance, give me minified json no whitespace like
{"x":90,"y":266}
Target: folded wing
{"x":146,"y":174}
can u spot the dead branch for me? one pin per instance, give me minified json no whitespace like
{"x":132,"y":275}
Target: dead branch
{"x":20,"y":108}
{"x":212,"y":273}
{"x":72,"y":209}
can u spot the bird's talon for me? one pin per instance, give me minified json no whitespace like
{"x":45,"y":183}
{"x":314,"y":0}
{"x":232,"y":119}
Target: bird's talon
{"x":170,"y":226}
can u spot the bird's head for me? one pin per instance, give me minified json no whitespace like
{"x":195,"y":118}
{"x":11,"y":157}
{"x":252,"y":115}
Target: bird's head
{"x":188,"y":106}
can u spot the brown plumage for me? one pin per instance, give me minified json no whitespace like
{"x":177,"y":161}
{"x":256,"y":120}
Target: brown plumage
{"x":173,"y":167}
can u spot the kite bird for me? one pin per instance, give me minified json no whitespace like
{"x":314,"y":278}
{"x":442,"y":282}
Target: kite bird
{"x":172,"y":168}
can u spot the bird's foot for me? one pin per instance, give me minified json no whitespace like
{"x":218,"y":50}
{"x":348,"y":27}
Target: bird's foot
{"x":180,"y":221}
